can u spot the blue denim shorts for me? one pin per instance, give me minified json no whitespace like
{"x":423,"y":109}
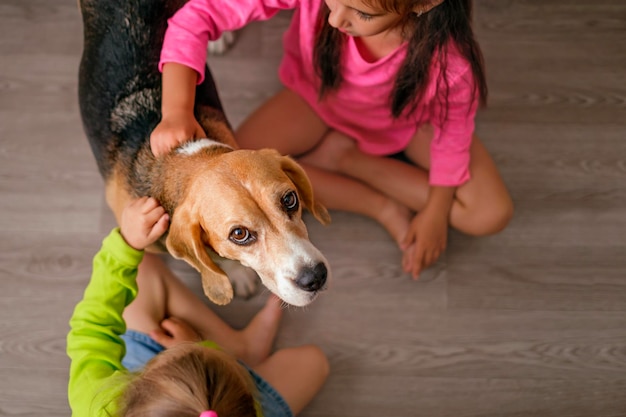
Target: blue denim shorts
{"x":140,"y":348}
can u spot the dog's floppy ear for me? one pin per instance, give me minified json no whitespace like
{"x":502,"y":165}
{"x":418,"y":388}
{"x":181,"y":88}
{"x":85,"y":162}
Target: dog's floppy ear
{"x":184,"y":241}
{"x":295,"y":172}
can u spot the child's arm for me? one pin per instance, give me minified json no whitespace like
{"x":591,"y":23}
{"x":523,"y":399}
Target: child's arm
{"x":453,"y":121}
{"x":453,"y":124}
{"x":178,"y":123}
{"x":185,"y":44}
{"x":93,"y":343}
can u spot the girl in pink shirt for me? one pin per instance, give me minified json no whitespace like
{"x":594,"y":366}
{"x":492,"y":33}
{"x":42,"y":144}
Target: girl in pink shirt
{"x":364,"y":80}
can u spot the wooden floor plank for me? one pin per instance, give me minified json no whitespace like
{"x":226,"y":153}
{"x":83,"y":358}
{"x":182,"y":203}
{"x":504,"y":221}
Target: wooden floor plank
{"x":529,"y":322}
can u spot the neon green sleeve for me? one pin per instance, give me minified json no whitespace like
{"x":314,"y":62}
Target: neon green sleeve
{"x":93,"y":343}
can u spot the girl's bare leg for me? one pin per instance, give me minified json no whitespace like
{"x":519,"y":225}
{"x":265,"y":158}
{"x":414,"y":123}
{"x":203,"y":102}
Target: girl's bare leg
{"x":482,"y":205}
{"x":285,"y":123}
{"x":288,"y":124}
{"x":296,"y":373}
{"x":340,"y":192}
{"x":162,"y":295}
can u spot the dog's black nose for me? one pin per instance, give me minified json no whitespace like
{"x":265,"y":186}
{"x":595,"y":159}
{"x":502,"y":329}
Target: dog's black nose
{"x":312,"y":279}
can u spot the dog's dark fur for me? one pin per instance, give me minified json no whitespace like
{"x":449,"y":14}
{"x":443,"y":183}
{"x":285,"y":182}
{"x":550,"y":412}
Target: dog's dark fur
{"x":120,"y":101}
{"x":120,"y":86}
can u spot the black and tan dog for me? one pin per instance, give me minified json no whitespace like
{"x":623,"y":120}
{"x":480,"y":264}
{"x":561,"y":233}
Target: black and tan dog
{"x":225,"y":205}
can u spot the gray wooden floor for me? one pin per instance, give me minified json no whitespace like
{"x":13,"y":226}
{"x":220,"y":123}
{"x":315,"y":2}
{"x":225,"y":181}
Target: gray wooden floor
{"x":531,"y":322}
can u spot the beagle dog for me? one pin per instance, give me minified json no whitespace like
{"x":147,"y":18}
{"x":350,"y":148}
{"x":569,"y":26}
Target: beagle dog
{"x":233,"y":213}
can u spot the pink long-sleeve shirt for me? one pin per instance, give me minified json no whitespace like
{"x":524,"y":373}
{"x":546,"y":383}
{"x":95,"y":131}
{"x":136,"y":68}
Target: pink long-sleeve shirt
{"x":360,"y":107}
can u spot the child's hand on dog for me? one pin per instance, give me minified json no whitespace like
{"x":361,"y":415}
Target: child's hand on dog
{"x":143,"y":222}
{"x":174,"y":129}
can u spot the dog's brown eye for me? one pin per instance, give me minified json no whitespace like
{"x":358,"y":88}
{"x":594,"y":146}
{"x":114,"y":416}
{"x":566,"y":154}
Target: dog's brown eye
{"x":241,"y":236}
{"x":290,"y":201}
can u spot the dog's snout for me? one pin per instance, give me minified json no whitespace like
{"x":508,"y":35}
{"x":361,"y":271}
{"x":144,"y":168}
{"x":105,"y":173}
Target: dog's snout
{"x":312,"y":279}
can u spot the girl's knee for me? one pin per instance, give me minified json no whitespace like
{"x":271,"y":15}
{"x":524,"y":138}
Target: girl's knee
{"x":492,"y":218}
{"x":501,"y":218}
{"x":315,"y":355}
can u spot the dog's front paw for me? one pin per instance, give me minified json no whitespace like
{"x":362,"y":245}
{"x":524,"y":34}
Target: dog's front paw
{"x":244,"y":280}
{"x":221,"y":45}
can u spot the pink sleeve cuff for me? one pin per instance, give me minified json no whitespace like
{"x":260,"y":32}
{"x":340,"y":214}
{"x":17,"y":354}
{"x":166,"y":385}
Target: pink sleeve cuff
{"x":449,"y":170}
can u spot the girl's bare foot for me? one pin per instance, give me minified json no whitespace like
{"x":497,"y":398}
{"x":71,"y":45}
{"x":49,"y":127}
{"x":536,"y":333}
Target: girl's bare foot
{"x":333,"y":151}
{"x":259,"y":334}
{"x":396,"y":218}
{"x":329,"y":152}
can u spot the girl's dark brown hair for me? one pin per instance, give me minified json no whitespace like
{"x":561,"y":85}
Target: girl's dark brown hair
{"x":428,"y":36}
{"x":187,"y":380}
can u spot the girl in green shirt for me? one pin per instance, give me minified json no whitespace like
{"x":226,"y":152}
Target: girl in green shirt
{"x":135,"y":310}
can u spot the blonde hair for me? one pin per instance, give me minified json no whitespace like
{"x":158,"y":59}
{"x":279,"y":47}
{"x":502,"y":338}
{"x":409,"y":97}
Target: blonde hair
{"x":188,"y":379}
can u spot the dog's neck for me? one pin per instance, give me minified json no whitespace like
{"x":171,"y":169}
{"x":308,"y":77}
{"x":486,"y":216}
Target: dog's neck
{"x":166,"y":178}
